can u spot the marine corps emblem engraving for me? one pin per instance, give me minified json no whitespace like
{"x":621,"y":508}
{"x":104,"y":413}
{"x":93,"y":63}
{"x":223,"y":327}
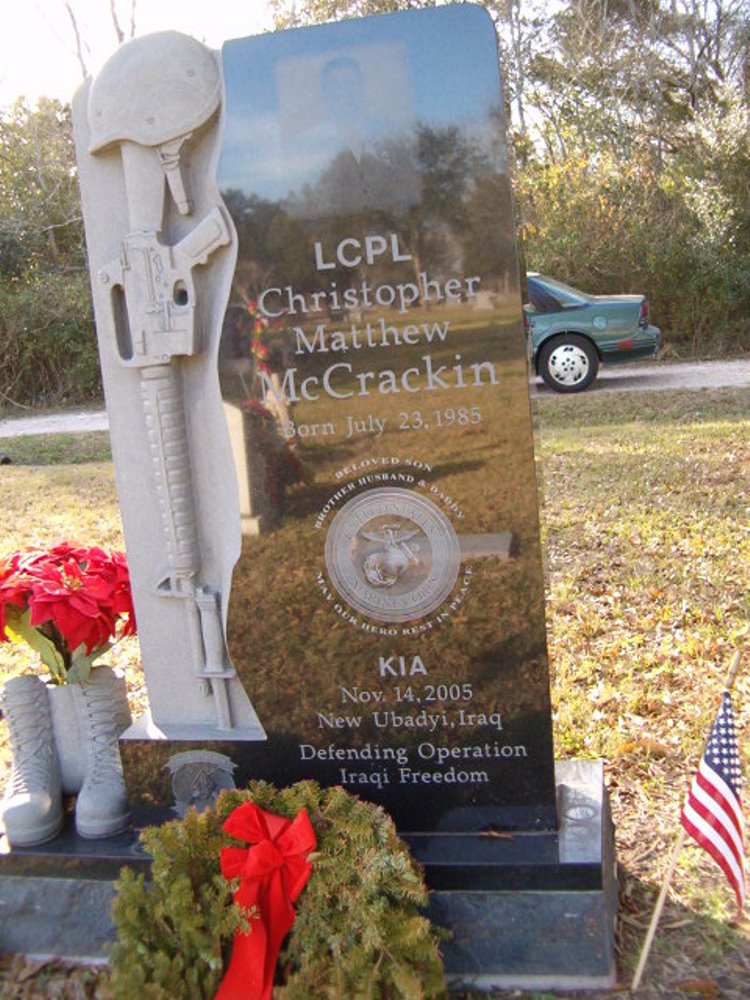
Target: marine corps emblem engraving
{"x":392,"y":554}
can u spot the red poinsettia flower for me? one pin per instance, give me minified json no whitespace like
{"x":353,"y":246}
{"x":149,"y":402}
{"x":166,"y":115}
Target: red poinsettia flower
{"x":8,"y":567}
{"x":15,"y":590}
{"x":111,"y":568}
{"x":77,"y":603}
{"x":114,"y":569}
{"x":62,"y":551}
{"x":77,"y":597}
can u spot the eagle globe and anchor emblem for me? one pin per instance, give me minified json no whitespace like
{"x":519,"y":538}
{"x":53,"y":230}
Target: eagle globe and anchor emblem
{"x":392,"y":555}
{"x":384,"y":567}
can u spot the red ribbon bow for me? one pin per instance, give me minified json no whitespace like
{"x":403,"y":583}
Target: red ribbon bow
{"x":272,"y":875}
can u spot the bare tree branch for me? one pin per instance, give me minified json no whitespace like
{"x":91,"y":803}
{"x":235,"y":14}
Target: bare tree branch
{"x":79,"y":42}
{"x":116,"y":22}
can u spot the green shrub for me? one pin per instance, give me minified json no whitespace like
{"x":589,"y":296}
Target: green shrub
{"x":358,"y":933}
{"x":48,"y":341}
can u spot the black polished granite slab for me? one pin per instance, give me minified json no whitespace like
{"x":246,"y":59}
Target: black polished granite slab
{"x":72,"y":856}
{"x":389,"y":628}
{"x":567,"y":860}
{"x":171,"y":773}
{"x":55,"y":898}
{"x":552,"y":925}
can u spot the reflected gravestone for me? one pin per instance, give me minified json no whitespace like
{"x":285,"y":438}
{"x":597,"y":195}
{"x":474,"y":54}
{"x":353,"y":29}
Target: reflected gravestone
{"x":336,"y":566}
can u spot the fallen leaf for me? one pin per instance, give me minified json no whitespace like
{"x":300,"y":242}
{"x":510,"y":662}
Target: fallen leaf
{"x":705,"y":987}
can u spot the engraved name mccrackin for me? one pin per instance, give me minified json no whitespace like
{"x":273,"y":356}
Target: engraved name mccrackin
{"x":336,"y":380}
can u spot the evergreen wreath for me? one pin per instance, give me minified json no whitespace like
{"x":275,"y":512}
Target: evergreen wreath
{"x":358,"y":933}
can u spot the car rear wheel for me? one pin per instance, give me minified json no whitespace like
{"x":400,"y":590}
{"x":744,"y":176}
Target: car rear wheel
{"x":568,"y":363}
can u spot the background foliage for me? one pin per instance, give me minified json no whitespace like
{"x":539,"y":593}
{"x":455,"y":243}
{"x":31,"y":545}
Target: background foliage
{"x":47,"y":342}
{"x":630,"y":128}
{"x":629,"y":123}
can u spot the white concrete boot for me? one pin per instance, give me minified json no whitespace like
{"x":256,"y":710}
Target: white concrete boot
{"x":32,"y":806}
{"x":101,"y":807}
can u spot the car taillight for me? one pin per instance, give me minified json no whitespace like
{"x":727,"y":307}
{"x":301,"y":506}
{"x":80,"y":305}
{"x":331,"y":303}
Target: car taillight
{"x":643,"y":320}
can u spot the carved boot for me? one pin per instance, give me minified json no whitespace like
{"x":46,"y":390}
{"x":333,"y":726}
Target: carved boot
{"x":32,"y":806}
{"x":101,"y":808}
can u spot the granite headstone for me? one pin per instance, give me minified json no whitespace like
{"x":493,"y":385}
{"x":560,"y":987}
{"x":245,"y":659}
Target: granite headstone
{"x":390,"y":630}
{"x":336,"y":566}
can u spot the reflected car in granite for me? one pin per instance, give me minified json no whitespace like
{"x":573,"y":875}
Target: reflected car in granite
{"x":571,"y":333}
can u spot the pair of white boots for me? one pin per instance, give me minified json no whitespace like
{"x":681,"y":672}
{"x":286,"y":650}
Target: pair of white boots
{"x":32,"y":808}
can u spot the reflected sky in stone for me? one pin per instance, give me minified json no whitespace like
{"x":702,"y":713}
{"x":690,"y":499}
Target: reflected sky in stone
{"x":283,"y":125}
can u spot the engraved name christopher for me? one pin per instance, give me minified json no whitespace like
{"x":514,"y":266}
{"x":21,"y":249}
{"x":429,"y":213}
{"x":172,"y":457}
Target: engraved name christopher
{"x":340,"y":380}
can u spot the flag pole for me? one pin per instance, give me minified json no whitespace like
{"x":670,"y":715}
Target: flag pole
{"x":646,"y":949}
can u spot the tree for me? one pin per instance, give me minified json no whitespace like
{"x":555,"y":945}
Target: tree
{"x":40,"y":215}
{"x":290,"y":13}
{"x":47,"y":343}
{"x":122,"y":34}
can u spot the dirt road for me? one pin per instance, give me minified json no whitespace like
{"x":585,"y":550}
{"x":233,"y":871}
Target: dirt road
{"x":69,"y":422}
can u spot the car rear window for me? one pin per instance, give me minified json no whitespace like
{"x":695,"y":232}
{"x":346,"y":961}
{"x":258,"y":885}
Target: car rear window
{"x":542,"y":300}
{"x":547,"y":295}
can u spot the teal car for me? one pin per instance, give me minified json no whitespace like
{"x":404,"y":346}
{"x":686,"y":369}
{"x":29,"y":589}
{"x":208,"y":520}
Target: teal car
{"x":571,"y":333}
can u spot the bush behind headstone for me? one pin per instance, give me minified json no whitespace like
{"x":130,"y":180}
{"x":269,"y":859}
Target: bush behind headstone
{"x":47,"y":341}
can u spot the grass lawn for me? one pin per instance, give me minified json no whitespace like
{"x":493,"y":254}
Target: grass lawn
{"x":646,"y":524}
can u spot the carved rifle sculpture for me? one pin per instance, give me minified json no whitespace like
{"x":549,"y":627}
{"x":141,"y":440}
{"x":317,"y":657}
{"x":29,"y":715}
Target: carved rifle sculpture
{"x":153,"y":303}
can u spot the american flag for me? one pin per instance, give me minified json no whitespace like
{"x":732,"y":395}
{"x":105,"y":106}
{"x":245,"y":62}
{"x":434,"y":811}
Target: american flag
{"x":712,"y":814}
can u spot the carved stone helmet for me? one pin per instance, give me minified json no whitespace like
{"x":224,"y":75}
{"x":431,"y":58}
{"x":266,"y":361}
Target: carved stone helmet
{"x":152,"y":90}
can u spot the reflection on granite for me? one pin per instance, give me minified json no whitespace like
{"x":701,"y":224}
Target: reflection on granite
{"x":72,"y":856}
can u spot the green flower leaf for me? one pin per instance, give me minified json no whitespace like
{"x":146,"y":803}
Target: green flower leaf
{"x":79,"y":670}
{"x":22,"y":631}
{"x":83,"y":662}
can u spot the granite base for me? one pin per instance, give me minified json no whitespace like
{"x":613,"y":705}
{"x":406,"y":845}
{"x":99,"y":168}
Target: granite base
{"x":55,"y":898}
{"x":527,"y":911}
{"x":559,"y":937}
